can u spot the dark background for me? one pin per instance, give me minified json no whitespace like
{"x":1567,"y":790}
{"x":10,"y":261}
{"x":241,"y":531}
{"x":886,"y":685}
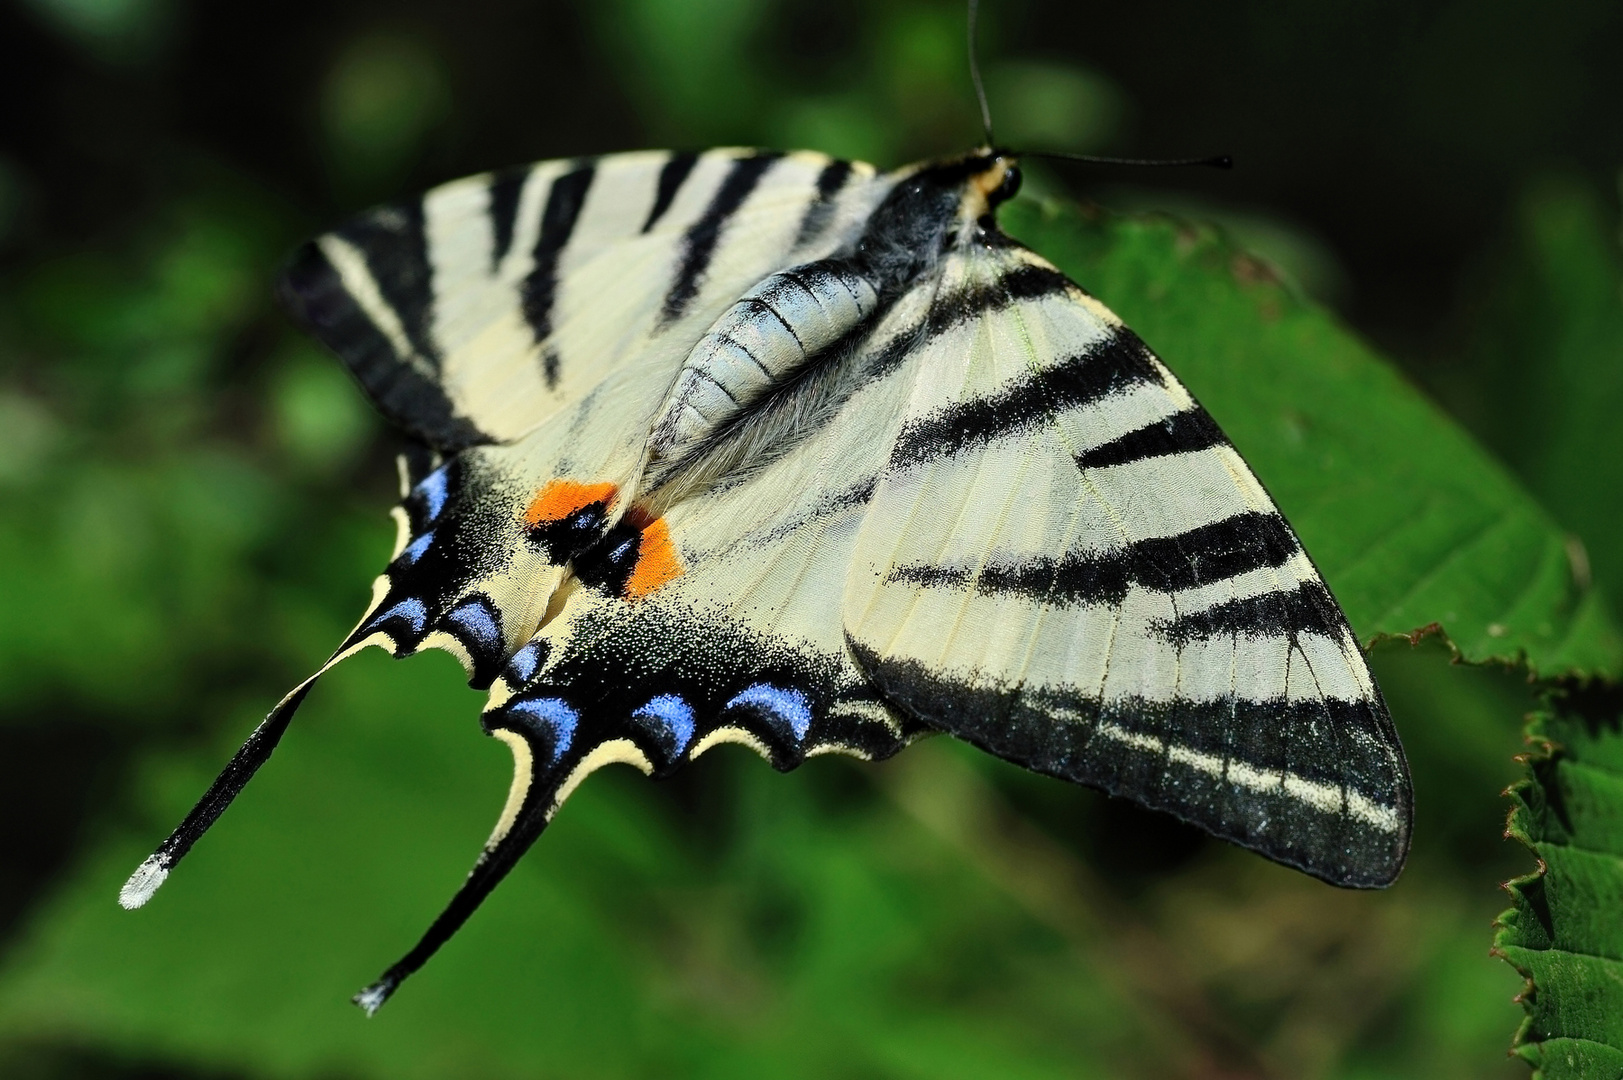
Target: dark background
{"x":158,"y":158}
{"x":1399,"y":134}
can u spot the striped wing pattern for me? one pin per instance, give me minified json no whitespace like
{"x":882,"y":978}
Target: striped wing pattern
{"x":479,"y":311}
{"x":778,"y":450}
{"x":539,"y":298}
{"x":746,"y":642}
{"x":1066,"y":563}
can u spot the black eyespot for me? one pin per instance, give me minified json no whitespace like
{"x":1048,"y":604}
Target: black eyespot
{"x":567,"y":536}
{"x":608,"y":564}
{"x":1008,"y":188}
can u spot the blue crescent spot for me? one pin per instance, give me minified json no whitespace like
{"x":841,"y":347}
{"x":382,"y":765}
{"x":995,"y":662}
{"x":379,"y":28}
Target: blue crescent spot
{"x":411,"y":609}
{"x":521,"y":665}
{"x":675,"y":714}
{"x":414,"y":550}
{"x":434,"y":489}
{"x":477,"y":618}
{"x":551,"y":715}
{"x":786,"y":705}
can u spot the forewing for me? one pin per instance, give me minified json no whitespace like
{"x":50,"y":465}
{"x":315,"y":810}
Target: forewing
{"x":1066,"y":563}
{"x":474,"y":313}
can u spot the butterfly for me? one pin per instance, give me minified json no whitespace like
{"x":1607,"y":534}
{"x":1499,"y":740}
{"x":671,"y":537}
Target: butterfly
{"x":786,"y":451}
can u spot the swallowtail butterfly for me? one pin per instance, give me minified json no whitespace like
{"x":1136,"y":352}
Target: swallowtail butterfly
{"x":786,"y":451}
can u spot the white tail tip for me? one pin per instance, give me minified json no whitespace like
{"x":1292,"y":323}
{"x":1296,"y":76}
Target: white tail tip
{"x":372,"y":998}
{"x":143,"y":883}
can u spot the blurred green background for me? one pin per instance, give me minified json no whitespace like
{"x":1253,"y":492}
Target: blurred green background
{"x":194,"y":504}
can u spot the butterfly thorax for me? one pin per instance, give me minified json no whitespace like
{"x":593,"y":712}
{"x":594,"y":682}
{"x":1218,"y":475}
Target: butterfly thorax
{"x":936,"y":207}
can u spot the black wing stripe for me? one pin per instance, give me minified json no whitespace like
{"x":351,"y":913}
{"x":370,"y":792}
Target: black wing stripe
{"x":1273,"y":733}
{"x":506,"y":188}
{"x":1224,"y":549}
{"x":821,"y":211}
{"x":1306,"y":609}
{"x":1192,"y":429}
{"x":1081,"y":380}
{"x":540,"y":287}
{"x":671,"y":176}
{"x":313,"y":292}
{"x":1335,"y":807}
{"x":699,"y":244}
{"x":1025,"y":282}
{"x":394,"y":243}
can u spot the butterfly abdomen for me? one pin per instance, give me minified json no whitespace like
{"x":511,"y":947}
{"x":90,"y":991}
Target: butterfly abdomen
{"x":766,"y":338}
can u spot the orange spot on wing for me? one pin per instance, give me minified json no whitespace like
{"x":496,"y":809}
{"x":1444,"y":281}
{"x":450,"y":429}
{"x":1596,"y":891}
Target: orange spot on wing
{"x":560,"y":498}
{"x":657,"y":561}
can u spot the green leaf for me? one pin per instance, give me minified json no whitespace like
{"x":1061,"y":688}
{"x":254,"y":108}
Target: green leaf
{"x":1412,"y":524}
{"x":1541,"y":378}
{"x":1571,"y":1057}
{"x":1563,"y":932}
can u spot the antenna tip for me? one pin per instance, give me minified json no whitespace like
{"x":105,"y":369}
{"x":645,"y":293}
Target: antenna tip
{"x":143,"y":883}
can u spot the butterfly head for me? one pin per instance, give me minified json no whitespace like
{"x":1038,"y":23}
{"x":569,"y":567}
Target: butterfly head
{"x":996,"y":182}
{"x":986,"y":179}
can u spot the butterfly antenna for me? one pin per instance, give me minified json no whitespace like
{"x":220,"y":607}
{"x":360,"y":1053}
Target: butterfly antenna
{"x":1220,"y":161}
{"x":975,"y":76}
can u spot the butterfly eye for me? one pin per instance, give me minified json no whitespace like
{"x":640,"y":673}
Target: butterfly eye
{"x":1008,"y":189}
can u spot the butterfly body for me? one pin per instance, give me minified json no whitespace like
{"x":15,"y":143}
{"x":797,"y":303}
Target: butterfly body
{"x":789,"y":452}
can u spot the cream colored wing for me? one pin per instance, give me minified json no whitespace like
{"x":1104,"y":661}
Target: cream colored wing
{"x":476,"y":312}
{"x":712,"y":612}
{"x":1066,"y":563}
